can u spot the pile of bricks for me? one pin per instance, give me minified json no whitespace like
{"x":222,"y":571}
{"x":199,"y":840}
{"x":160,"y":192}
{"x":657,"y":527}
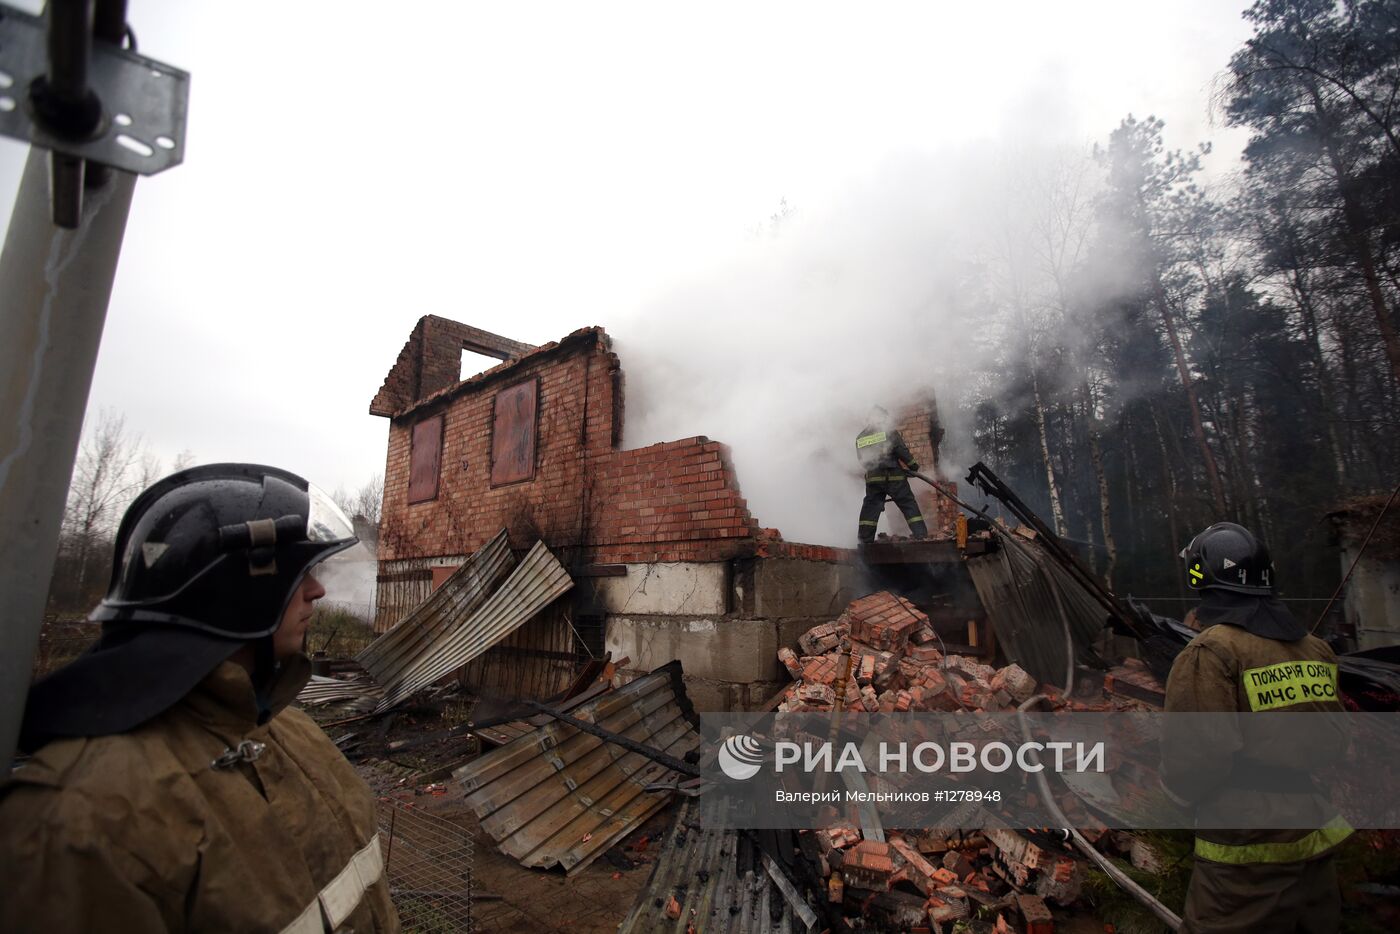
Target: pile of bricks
{"x":883,"y":655}
{"x":926,"y":881}
{"x":890,"y":659}
{"x":895,"y":663}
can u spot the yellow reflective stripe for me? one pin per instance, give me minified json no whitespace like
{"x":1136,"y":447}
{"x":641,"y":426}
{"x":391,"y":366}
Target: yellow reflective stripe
{"x":870,"y":522}
{"x":1295,"y":851}
{"x":1289,"y":683}
{"x":865,"y":441}
{"x":342,"y":895}
{"x":308,"y":922}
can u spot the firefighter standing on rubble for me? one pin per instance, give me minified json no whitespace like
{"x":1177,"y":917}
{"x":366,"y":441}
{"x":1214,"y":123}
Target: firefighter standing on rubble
{"x":885,"y":457}
{"x":171,"y":788}
{"x":1242,"y":767}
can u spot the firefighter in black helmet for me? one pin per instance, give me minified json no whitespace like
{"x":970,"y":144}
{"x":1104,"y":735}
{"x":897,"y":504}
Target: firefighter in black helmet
{"x":171,"y":788}
{"x":1224,"y":767}
{"x":885,"y":457}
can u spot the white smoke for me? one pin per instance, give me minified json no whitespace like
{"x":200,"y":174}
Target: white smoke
{"x":781,"y":351}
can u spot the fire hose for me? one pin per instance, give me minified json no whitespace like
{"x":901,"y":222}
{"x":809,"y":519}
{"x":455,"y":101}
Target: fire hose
{"x":1054,"y":591}
{"x":1121,"y":878}
{"x":1124,"y":881}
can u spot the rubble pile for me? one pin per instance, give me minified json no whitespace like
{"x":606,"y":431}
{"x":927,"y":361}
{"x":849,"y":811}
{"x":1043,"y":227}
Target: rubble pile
{"x":1000,"y":874}
{"x":883,"y":655}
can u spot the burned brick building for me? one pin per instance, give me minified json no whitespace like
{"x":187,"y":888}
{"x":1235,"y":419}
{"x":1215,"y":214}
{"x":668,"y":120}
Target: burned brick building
{"x":667,"y":559}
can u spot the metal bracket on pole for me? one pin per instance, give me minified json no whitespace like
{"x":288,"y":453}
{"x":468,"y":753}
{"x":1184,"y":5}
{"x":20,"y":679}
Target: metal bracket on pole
{"x":85,"y":101}
{"x":95,"y":116}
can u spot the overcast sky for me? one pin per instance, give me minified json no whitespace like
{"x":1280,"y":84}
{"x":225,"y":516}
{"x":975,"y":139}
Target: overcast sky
{"x":532,"y":168}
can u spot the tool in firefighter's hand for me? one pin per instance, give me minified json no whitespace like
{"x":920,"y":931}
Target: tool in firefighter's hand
{"x":92,"y":104}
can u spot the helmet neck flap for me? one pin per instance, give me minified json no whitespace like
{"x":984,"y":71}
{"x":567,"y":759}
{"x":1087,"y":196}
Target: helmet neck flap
{"x":207,"y":561}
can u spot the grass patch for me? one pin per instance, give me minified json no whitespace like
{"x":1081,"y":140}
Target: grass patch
{"x":338,"y":632}
{"x":62,"y":639}
{"x":1369,"y":856}
{"x":1126,"y":913}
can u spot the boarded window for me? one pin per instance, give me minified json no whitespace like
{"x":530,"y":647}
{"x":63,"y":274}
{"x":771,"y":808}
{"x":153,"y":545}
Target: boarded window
{"x":513,"y":434}
{"x":440,"y":575}
{"x":425,"y":460}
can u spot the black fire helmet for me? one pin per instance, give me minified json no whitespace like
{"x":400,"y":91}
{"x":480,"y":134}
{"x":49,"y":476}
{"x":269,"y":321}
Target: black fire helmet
{"x":1232,"y":570}
{"x":206,"y":561}
{"x":1227,"y":556}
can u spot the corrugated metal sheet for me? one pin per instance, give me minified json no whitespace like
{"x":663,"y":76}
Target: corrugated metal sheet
{"x":503,"y":733}
{"x":481,"y":603}
{"x":535,"y":583}
{"x":538,"y":659}
{"x":560,"y":797}
{"x":326,"y":690}
{"x":447,"y":608}
{"x":1030,"y":600}
{"x":715,"y":874}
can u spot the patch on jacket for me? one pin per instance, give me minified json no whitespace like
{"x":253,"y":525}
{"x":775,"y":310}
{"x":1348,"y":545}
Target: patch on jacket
{"x":1289,"y":683}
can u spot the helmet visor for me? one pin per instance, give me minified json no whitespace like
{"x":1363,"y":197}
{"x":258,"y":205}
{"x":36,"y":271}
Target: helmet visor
{"x":327,"y":523}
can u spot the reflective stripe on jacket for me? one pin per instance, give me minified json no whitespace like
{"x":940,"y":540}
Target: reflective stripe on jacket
{"x":1306,"y":847}
{"x":142,"y":832}
{"x":1228,"y":669}
{"x":883,"y":454}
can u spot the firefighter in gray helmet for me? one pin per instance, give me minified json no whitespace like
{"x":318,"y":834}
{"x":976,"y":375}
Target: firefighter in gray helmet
{"x":171,"y":788}
{"x":1246,"y":763}
{"x":884,"y":456}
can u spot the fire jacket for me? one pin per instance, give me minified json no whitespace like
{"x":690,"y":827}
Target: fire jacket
{"x":169,"y":828}
{"x":1245,"y":768}
{"x":883,"y":454}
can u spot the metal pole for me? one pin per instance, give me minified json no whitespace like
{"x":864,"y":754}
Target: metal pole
{"x":54,"y":289}
{"x":109,"y":21}
{"x":70,"y":49}
{"x":65,"y":103}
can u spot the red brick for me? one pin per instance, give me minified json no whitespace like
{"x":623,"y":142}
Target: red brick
{"x":920,"y":871}
{"x":1035,"y":915}
{"x":789,"y":661}
{"x":1015,"y":681}
{"x":868,"y":865}
{"x":819,"y":669}
{"x":925,"y":654}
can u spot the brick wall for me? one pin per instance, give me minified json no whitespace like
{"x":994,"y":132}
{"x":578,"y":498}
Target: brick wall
{"x":591,"y":503}
{"x":574,"y":423}
{"x":922,"y":431}
{"x":677,"y":501}
{"x":431,"y":360}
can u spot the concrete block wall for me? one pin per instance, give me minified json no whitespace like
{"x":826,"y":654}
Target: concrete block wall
{"x":725,"y":621}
